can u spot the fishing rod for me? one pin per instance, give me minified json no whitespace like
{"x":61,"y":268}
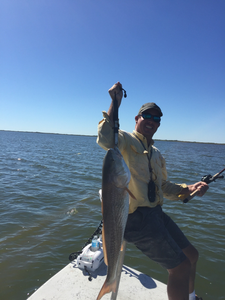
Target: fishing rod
{"x":207,"y":179}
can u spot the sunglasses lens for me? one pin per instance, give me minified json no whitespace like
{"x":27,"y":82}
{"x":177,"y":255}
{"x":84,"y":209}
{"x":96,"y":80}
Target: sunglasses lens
{"x":157,"y":119}
{"x":146,"y":116}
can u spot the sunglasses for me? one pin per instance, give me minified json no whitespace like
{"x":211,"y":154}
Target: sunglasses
{"x":156,"y":119}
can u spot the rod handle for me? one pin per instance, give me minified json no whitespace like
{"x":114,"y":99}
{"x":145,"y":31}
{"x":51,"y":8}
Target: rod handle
{"x":191,"y":196}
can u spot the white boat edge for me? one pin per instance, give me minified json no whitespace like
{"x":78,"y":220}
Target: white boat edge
{"x":72,"y":283}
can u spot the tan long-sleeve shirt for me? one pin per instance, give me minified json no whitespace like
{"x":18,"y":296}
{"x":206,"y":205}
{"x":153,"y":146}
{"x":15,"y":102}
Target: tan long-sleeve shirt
{"x":137,"y":161}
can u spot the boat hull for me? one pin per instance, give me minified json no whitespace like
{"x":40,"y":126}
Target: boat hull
{"x":72,"y":283}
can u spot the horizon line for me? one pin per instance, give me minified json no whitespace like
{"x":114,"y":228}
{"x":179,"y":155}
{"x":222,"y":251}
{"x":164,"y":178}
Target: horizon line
{"x":95,"y":135}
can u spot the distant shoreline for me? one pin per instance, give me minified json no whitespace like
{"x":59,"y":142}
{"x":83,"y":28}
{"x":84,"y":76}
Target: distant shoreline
{"x":94,"y":135}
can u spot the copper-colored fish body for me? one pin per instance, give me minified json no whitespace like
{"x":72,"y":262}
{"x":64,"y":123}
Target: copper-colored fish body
{"x":115,"y":207}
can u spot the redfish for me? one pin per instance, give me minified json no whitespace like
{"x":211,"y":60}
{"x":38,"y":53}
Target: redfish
{"x":115,"y":208}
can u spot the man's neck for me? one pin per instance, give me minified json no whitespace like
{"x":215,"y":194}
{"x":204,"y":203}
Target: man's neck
{"x":149,"y":139}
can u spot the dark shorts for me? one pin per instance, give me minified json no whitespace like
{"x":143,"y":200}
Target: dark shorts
{"x":157,"y":236}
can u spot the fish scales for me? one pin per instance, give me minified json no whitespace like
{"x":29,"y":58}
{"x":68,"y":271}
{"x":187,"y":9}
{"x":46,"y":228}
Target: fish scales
{"x":115,"y":207}
{"x":114,"y":221}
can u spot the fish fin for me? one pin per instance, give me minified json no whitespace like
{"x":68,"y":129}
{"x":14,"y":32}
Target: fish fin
{"x":107,"y":288}
{"x":102,"y":207}
{"x":122,"y":247}
{"x":103,"y":241}
{"x":104,"y":246}
{"x":131,"y":194}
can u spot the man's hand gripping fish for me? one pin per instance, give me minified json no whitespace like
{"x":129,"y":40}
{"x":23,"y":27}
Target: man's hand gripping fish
{"x":115,"y":208}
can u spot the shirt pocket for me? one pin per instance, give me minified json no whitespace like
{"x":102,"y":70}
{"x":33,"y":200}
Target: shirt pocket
{"x":138,"y":164}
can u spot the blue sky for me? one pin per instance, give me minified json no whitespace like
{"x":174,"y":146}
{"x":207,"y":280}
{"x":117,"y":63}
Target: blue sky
{"x":59,"y":58}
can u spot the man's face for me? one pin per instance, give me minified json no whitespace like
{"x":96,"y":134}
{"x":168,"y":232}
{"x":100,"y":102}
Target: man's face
{"x":147,"y":127}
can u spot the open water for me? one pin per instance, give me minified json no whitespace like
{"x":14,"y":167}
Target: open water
{"x":49,"y":207}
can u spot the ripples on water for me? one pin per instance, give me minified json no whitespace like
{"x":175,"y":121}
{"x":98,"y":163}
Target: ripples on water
{"x":50,"y":206}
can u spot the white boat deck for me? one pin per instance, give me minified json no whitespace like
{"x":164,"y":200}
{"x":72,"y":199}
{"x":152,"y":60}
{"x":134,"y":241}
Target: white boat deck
{"x":71,"y":283}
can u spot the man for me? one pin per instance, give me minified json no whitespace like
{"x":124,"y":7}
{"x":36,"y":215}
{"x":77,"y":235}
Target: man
{"x":148,"y":227}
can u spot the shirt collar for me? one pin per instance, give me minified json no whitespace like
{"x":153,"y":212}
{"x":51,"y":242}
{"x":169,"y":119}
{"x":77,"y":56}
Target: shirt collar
{"x":142,"y":137}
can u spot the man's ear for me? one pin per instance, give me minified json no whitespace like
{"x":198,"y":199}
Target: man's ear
{"x":136,"y":118}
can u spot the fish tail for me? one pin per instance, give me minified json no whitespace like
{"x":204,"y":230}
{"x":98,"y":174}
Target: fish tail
{"x":107,"y":288}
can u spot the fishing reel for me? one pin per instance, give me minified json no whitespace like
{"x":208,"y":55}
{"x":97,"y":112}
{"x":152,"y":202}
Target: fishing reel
{"x":209,"y":178}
